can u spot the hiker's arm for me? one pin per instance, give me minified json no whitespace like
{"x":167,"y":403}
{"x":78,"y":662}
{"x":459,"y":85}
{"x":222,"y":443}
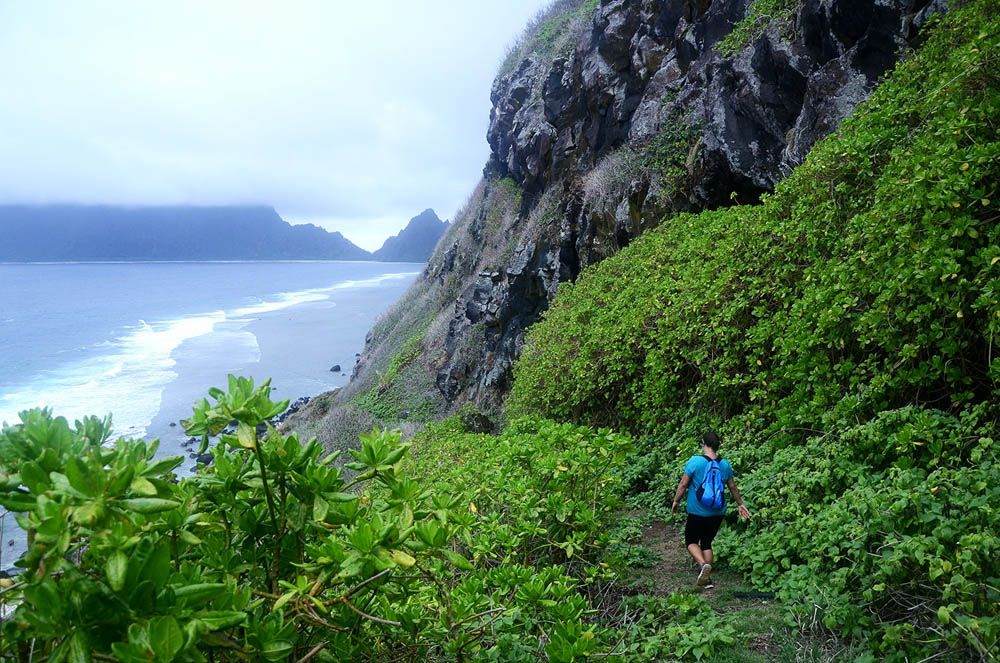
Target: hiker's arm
{"x":744,"y":512}
{"x":681,"y":487}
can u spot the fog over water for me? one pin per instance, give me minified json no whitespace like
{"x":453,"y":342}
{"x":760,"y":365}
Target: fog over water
{"x":355,"y":116}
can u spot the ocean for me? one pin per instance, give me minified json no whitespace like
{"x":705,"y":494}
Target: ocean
{"x":144,"y":341}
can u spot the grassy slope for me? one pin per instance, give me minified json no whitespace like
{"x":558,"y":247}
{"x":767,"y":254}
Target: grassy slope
{"x":841,"y":336}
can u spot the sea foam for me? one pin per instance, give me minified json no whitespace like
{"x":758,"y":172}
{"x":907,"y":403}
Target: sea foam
{"x":128,"y":374}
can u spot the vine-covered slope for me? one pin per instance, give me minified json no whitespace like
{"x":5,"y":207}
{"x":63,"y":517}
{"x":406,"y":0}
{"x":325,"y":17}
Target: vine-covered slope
{"x":842,"y":336}
{"x":607,"y":118}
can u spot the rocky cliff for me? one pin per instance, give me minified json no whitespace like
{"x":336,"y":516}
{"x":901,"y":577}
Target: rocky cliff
{"x":606,"y":120}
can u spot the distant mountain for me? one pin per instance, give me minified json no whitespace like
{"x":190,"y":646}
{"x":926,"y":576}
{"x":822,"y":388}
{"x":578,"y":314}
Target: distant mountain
{"x":78,"y":232}
{"x":415,"y":242}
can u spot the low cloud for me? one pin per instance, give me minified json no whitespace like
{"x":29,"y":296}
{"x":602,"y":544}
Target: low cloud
{"x":355,"y":116}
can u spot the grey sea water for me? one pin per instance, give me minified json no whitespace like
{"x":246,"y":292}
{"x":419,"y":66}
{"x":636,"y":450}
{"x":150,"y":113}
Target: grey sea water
{"x":144,"y":341}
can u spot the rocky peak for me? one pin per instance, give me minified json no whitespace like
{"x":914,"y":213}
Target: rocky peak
{"x":613,"y":117}
{"x":711,"y":120}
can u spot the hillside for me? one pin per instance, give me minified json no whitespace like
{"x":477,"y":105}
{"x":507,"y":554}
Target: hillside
{"x":840,"y":337}
{"x":835,"y":323}
{"x":415,"y":242}
{"x":81,"y":233}
{"x":607,"y":119}
{"x":831,"y":315}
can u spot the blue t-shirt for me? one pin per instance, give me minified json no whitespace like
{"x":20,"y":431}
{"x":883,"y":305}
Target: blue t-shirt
{"x":696,"y":468}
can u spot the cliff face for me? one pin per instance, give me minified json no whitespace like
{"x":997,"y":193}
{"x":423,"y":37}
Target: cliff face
{"x":680,"y":125}
{"x":606,"y":120}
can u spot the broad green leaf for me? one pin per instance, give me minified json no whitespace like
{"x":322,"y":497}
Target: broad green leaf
{"x":220,"y":619}
{"x":163,"y":466}
{"x":340,"y":497}
{"x":116,"y":569}
{"x":458,"y":560}
{"x":187,"y":537}
{"x":283,"y":600}
{"x":81,"y":478}
{"x":403,"y":559}
{"x":246,"y":436}
{"x":276,"y":650}
{"x":148,"y":505}
{"x":320,"y":508}
{"x":17,"y":502}
{"x":34,"y":477}
{"x":165,"y":637}
{"x":143,"y":486}
{"x":193,"y":594}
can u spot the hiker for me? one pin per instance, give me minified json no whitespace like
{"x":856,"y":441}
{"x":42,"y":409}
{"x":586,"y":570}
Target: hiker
{"x":706,"y":503}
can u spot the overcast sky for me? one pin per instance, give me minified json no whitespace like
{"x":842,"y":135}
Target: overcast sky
{"x":352,"y":115}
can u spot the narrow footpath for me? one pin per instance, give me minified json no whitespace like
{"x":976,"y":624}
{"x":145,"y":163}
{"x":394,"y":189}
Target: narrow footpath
{"x":760,"y":621}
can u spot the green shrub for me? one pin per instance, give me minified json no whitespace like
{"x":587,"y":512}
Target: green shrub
{"x":411,"y":349}
{"x":667,"y":152}
{"x":244,"y":560}
{"x":760,"y":15}
{"x":269,"y":553}
{"x":541,"y":492}
{"x":840,"y":336}
{"x":678,"y":627}
{"x":552,"y":31}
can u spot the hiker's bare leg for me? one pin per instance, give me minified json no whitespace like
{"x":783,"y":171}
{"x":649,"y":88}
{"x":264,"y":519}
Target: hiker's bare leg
{"x":696,"y":552}
{"x":709,"y":556}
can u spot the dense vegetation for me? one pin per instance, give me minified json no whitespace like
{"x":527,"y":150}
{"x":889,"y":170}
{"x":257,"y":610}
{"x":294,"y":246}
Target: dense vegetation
{"x":551,"y":31}
{"x":481,"y":547}
{"x":841,"y":336}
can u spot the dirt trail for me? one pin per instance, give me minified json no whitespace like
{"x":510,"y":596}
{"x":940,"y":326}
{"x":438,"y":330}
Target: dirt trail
{"x":674,"y":572}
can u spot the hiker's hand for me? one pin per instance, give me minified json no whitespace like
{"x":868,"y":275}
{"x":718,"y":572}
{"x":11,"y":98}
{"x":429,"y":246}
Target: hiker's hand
{"x":744,"y":512}
{"x":673,"y":507}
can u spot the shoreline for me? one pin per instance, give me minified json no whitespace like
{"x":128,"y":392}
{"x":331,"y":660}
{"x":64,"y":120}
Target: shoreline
{"x":295,"y":346}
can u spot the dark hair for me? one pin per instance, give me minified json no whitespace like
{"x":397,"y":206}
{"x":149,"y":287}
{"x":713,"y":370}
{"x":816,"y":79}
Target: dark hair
{"x":711,"y":440}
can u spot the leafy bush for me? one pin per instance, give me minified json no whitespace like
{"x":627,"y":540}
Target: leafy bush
{"x":540,"y":493}
{"x":481,"y":547}
{"x":667,"y":153}
{"x":840,"y":335}
{"x":760,"y":15}
{"x":268,"y":553}
{"x":552,"y":31}
{"x":692,"y":629}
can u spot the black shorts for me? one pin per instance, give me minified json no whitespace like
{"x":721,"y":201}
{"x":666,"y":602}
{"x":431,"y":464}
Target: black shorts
{"x":701,"y":530}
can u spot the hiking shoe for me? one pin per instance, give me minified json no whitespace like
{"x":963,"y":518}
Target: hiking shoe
{"x":704,"y":575}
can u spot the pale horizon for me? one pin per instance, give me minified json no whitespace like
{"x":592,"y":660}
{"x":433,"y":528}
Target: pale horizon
{"x":354,"y":118}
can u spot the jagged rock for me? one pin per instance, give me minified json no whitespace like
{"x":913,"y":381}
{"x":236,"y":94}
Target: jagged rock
{"x":643,"y":65}
{"x":582,"y":132}
{"x":335,"y":368}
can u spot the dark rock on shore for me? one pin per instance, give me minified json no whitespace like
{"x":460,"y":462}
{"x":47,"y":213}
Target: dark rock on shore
{"x":335,"y":368}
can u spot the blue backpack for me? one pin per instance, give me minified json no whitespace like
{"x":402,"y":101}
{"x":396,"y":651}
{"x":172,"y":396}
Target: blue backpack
{"x":711,"y":493}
